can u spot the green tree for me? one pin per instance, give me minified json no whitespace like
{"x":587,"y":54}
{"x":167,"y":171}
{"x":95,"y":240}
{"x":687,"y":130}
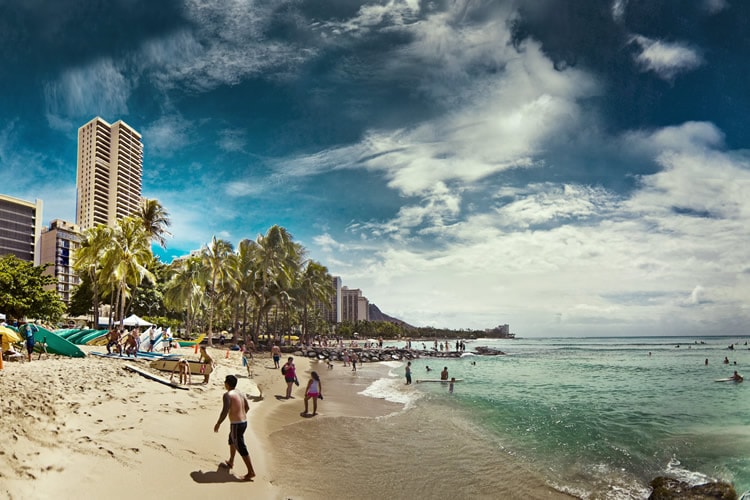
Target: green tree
{"x":314,"y":286}
{"x":88,"y":263}
{"x":155,"y":219}
{"x":184,"y":291}
{"x":244,"y":279}
{"x":125,"y":260}
{"x":22,"y":292}
{"x":214,"y":258}
{"x":278,"y":260}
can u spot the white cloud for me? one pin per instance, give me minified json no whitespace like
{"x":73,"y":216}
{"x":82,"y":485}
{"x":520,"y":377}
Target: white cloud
{"x":166,"y":135}
{"x":618,"y":10}
{"x":228,"y":43}
{"x":666,"y":59}
{"x":594,"y":263}
{"x":99,"y":88}
{"x":715,"y":6}
{"x":233,"y":140}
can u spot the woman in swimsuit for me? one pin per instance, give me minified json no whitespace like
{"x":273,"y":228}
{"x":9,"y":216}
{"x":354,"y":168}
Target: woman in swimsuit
{"x":313,"y":391}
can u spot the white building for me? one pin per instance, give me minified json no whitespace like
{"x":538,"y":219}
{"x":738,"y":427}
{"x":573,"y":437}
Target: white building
{"x":110,"y":173}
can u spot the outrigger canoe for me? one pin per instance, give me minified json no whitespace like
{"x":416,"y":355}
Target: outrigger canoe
{"x":56,"y":344}
{"x":190,"y":343}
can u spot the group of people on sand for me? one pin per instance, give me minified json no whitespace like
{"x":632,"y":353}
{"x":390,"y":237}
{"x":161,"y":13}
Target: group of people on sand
{"x":127,"y":343}
{"x":313,"y":390}
{"x":182,"y":368}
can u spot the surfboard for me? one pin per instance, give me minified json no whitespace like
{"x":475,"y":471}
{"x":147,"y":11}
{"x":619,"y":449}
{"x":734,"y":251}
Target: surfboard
{"x":76,"y":337}
{"x":168,"y":365}
{"x":58,"y":345}
{"x":730,"y":379}
{"x":422,"y":380}
{"x":93,"y":335}
{"x":153,"y":377}
{"x":149,"y":356}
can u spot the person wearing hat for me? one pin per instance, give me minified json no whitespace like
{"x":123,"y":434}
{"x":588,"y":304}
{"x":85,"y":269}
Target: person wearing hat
{"x":28,"y":330}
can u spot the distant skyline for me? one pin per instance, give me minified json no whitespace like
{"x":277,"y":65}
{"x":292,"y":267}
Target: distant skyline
{"x":568,"y":168}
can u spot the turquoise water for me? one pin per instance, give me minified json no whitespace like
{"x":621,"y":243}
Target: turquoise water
{"x":602,"y":415}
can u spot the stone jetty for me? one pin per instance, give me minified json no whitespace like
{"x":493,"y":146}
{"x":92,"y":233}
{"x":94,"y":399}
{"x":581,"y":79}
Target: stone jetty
{"x":374,"y":354}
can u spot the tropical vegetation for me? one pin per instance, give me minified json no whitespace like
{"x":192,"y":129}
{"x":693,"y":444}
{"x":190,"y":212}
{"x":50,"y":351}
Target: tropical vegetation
{"x":27,"y":292}
{"x":265,"y":286}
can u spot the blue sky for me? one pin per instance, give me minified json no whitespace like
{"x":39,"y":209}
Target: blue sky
{"x":570,"y":168}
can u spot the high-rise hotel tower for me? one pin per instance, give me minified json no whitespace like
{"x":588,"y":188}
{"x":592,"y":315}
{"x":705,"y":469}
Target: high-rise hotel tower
{"x":110,"y":170}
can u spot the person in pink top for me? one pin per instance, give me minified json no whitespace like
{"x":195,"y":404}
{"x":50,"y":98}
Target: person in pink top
{"x":290,"y":376}
{"x":314,"y":391}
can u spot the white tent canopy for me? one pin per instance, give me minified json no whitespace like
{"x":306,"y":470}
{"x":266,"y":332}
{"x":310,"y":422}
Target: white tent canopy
{"x":134,"y":320}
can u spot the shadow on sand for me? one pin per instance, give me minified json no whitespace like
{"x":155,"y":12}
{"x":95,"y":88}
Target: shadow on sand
{"x":220,"y":475}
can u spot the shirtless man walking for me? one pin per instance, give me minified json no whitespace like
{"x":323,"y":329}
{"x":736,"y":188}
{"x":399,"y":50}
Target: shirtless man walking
{"x":236,"y":406}
{"x":276,"y":353}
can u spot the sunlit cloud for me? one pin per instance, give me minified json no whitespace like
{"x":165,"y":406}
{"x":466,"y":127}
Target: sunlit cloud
{"x":666,"y":59}
{"x":97,"y":89}
{"x":167,"y":135}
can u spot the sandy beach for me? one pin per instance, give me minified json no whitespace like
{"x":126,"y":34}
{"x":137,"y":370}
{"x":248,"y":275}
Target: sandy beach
{"x":88,"y":427}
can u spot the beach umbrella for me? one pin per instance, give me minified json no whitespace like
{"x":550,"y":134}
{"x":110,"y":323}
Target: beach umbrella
{"x":9,"y":337}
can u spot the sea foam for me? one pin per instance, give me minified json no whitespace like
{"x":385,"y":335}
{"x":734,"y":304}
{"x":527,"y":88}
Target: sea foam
{"x":390,"y":389}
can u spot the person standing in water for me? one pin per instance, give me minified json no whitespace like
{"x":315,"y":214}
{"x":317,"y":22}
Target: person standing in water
{"x":408,"y":373}
{"x":235,"y":405}
{"x":444,"y":373}
{"x":314,"y":390}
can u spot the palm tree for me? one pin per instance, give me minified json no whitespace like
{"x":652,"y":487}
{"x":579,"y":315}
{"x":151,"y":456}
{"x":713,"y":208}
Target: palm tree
{"x":278,"y":259}
{"x":214,"y":257}
{"x":314,"y":286}
{"x":184,"y":290}
{"x":155,"y":220}
{"x":88,"y":260}
{"x":244,"y":278}
{"x":125,"y":260}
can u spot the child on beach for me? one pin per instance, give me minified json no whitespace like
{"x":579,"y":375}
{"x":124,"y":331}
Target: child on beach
{"x":314,"y":390}
{"x":247,"y":360}
{"x":183,"y":369}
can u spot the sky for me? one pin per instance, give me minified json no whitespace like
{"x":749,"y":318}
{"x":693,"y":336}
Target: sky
{"x":570,"y":168}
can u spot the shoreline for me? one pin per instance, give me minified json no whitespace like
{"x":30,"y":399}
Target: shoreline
{"x":84,"y":425}
{"x":87,"y":425}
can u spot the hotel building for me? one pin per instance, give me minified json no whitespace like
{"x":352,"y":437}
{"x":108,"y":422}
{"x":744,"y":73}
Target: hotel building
{"x":57,"y":246}
{"x":354,"y":306}
{"x":331,"y":312}
{"x":110,"y":171}
{"x":20,"y":228}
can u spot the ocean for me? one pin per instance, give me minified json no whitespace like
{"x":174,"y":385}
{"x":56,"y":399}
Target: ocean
{"x":593,"y":418}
